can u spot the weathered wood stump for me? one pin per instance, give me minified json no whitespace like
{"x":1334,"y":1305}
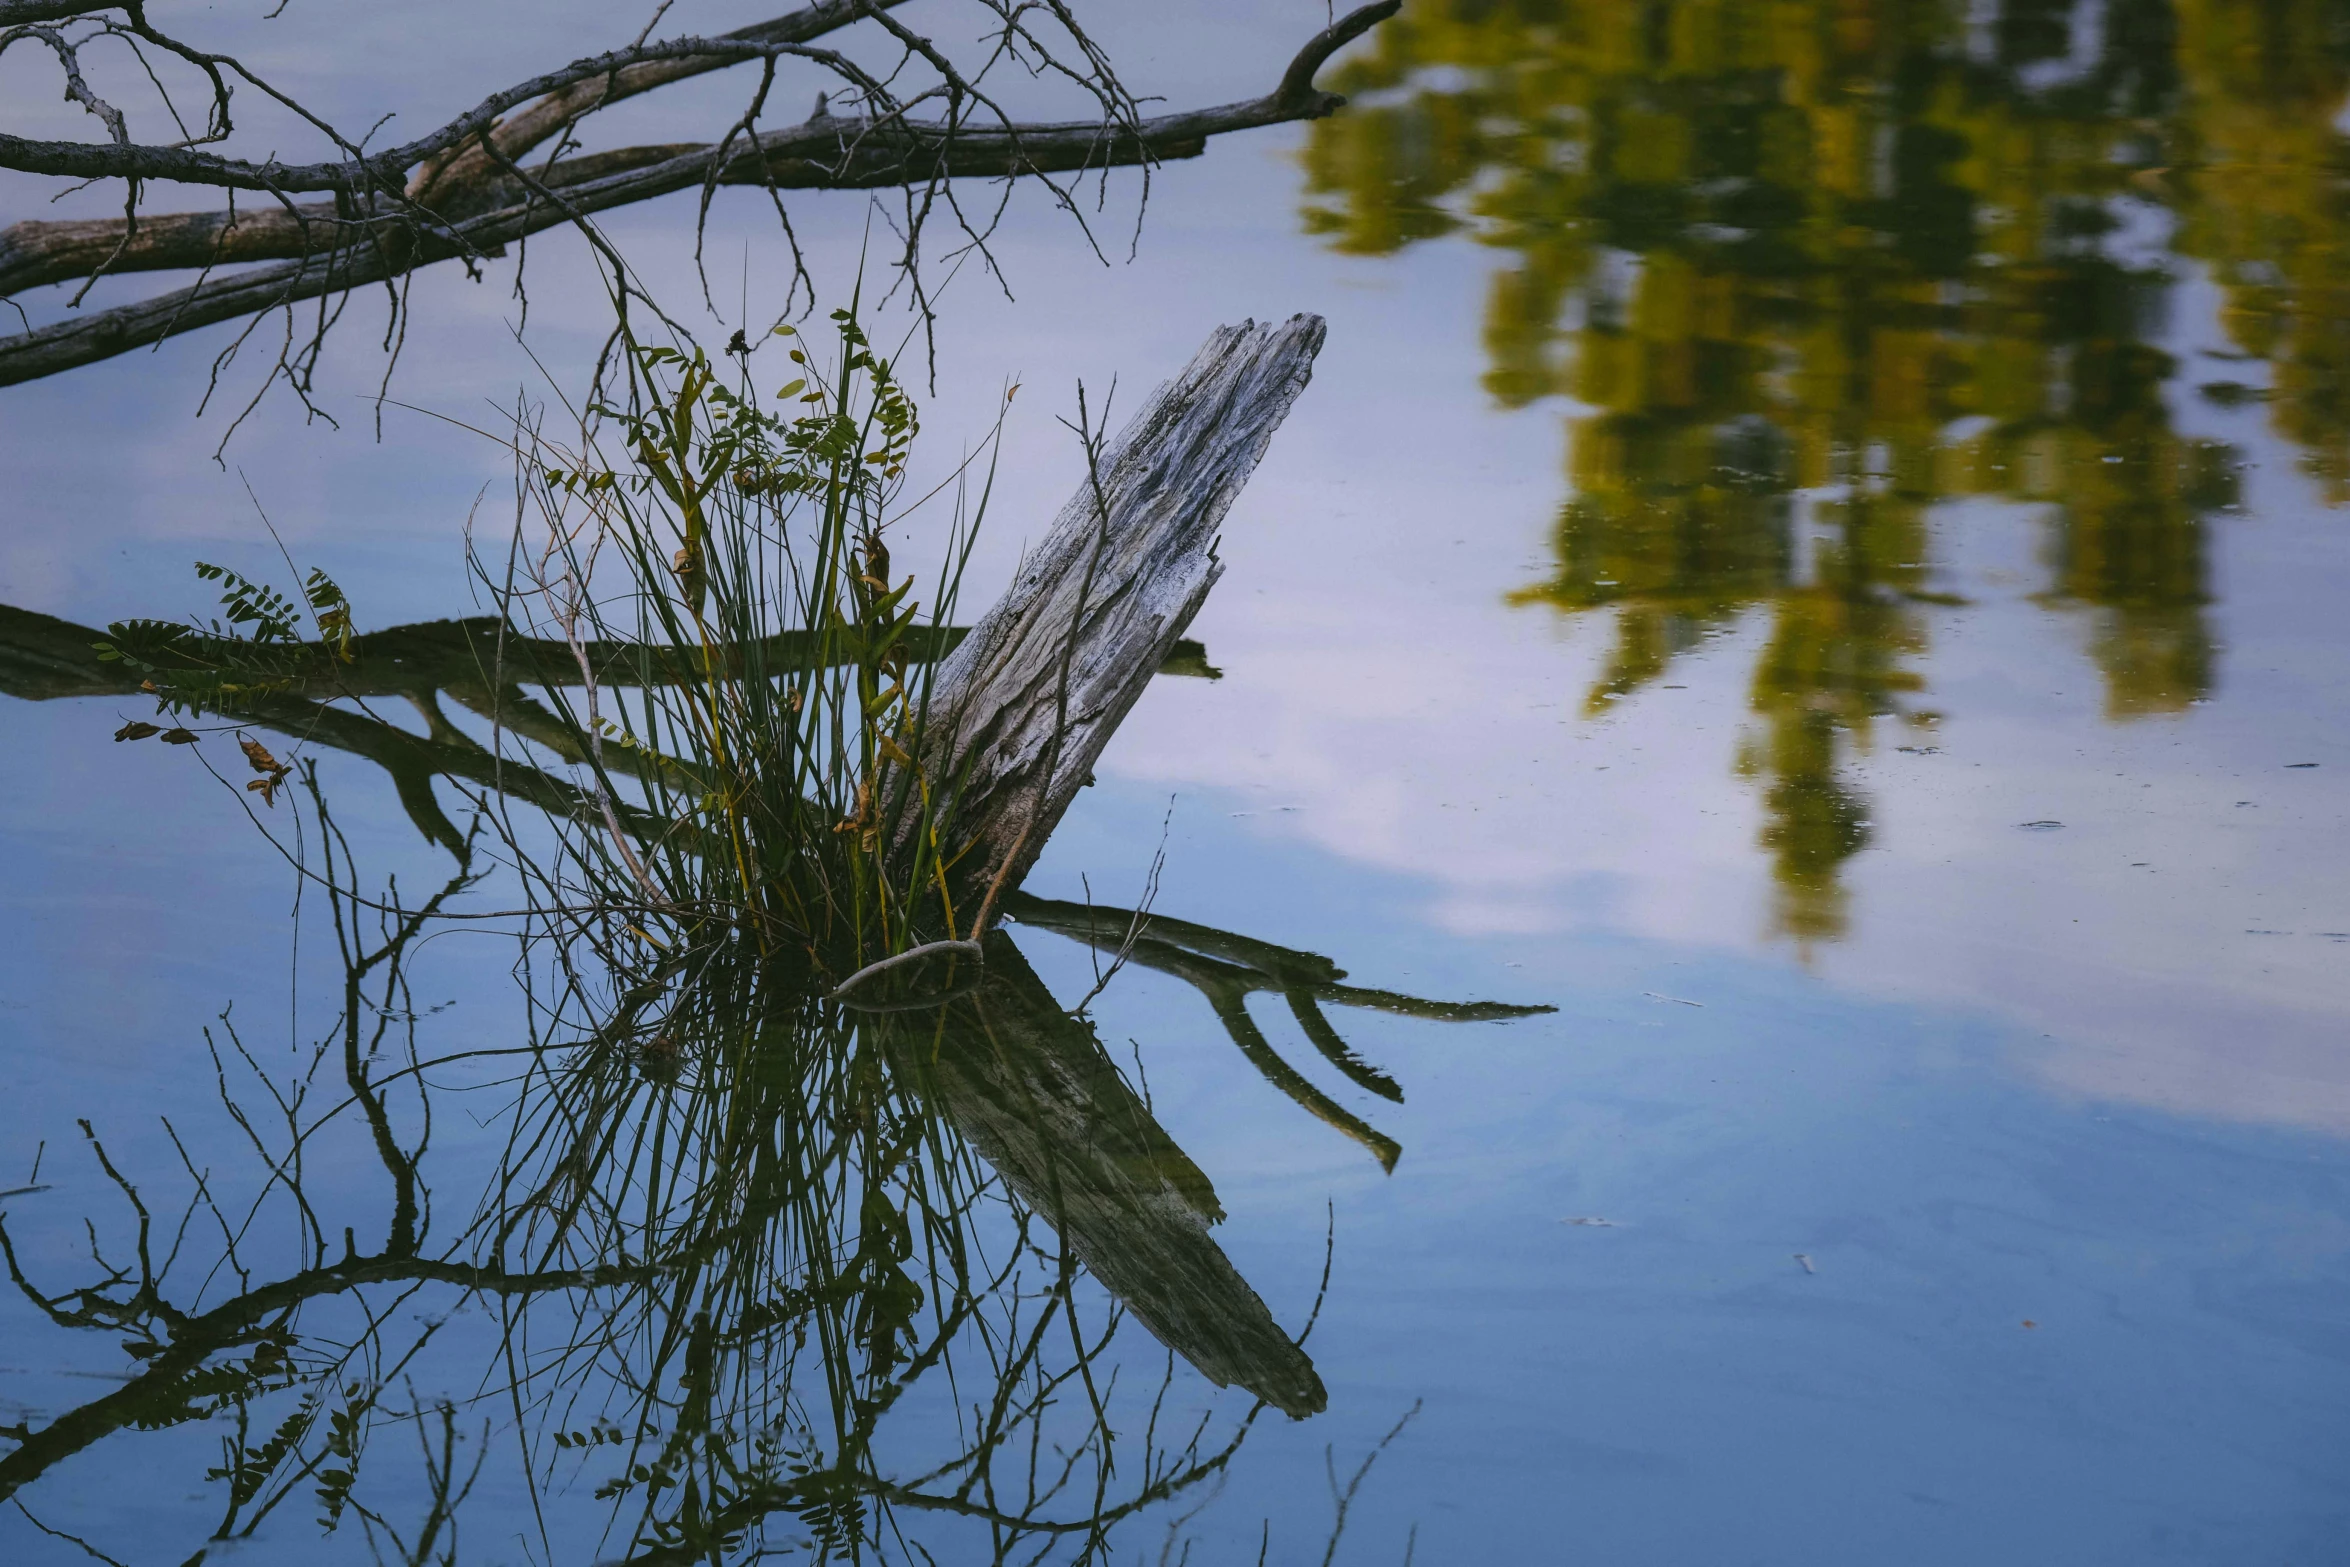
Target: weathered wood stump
{"x":1018,"y":715}
{"x":1022,"y":708}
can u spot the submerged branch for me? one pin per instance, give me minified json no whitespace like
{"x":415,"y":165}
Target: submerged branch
{"x":473,"y":662}
{"x":1228,"y":968}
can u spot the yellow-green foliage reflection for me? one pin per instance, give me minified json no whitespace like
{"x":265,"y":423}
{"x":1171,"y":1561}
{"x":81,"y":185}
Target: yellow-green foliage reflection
{"x":1815,"y":266}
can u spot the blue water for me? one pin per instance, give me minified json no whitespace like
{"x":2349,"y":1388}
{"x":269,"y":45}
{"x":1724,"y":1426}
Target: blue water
{"x":1958,"y":1194}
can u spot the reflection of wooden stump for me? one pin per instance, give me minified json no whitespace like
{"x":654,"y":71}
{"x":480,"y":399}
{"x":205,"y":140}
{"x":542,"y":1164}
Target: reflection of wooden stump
{"x":1033,"y":1091}
{"x":1021,"y":710}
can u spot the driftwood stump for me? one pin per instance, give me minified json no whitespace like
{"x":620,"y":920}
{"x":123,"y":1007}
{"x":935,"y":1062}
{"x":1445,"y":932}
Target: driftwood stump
{"x":1022,"y":708}
{"x":1018,"y":714}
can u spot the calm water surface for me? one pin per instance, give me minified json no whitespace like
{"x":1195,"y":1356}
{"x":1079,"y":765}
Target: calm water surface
{"x":1816,"y":550}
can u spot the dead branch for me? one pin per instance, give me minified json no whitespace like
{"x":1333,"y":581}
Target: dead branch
{"x":365,"y":175}
{"x":460,"y":191}
{"x":26,"y":13}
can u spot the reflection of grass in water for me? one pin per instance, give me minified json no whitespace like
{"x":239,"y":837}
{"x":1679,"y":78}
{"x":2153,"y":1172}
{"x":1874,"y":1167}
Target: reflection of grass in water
{"x":748,"y":1282}
{"x":749,"y":1275}
{"x":814,"y":1243}
{"x":735,"y":1224}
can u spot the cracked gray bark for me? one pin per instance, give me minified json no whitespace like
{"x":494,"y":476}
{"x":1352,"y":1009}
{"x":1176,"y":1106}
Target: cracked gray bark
{"x":1023,"y":707}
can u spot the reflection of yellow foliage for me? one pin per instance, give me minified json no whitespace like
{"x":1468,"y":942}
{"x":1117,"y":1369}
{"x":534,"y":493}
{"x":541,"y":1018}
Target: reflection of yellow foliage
{"x":1816,"y":265}
{"x":2260,"y":194}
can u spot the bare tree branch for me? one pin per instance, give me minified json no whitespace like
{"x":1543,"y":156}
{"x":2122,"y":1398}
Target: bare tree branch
{"x":459,"y":192}
{"x":364,"y":175}
{"x":25,"y":13}
{"x":558,"y":112}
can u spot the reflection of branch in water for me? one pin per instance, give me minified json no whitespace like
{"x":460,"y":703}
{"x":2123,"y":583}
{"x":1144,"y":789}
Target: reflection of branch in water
{"x":44,"y":659}
{"x":1228,"y":968}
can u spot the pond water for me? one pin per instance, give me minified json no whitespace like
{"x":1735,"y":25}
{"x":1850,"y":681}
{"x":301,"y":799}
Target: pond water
{"x":1814,"y":550}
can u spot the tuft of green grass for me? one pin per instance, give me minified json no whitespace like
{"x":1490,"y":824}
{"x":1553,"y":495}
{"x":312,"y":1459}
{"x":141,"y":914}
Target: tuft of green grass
{"x":765,"y":673}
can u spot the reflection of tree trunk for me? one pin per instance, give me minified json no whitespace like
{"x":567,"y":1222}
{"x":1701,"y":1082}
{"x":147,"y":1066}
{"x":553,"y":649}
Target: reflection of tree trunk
{"x":1033,"y":1091}
{"x":166,"y":1388}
